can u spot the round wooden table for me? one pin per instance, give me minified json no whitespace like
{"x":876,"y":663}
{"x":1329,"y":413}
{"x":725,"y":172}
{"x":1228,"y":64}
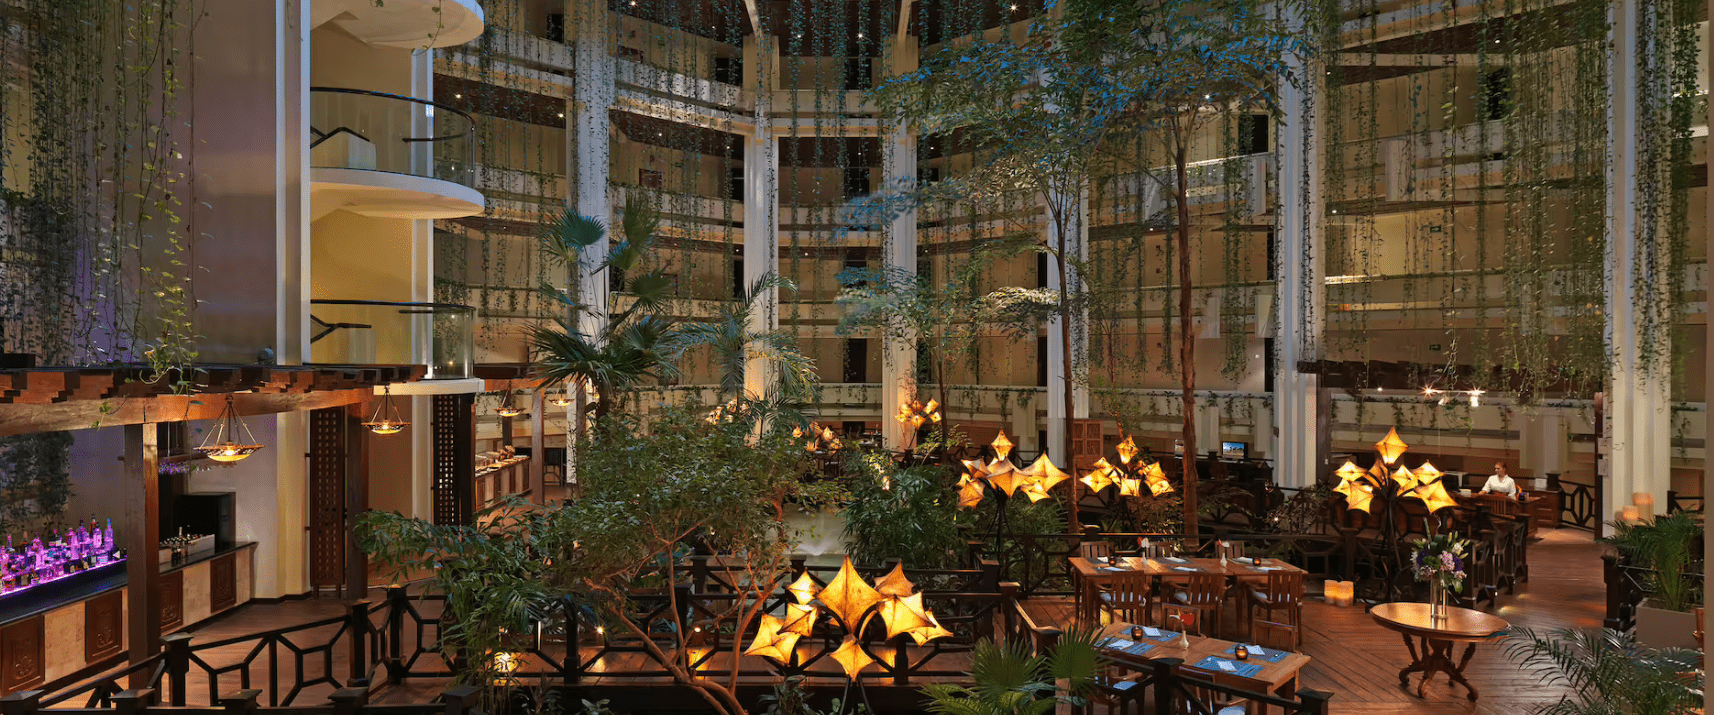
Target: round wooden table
{"x":1461,"y":625}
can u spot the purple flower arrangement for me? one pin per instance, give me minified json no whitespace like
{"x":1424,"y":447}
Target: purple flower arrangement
{"x":1440,"y":559}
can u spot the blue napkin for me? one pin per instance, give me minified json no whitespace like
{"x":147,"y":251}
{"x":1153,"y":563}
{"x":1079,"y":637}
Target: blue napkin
{"x":1271,"y":655}
{"x":1160,"y":636}
{"x":1127,"y":646}
{"x":1212,"y":663}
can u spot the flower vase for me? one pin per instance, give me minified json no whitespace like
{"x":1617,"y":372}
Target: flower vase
{"x":1436,"y":601}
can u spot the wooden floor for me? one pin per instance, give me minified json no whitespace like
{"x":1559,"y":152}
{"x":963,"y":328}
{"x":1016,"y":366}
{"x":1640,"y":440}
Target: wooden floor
{"x":1358,"y":661}
{"x":1354,"y":658}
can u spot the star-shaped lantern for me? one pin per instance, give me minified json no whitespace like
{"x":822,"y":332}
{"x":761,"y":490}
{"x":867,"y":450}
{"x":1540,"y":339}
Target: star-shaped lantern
{"x":1033,"y":482}
{"x":1130,"y":476}
{"x":1390,"y":447}
{"x":916,"y":414}
{"x":893,"y":598}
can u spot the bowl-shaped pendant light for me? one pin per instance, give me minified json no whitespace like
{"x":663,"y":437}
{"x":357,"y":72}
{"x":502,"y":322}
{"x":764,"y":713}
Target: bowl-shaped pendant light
{"x":223,"y":443}
{"x":386,"y":419}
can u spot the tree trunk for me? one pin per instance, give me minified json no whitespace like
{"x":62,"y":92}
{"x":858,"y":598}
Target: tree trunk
{"x":940,"y":386}
{"x":1072,"y":522}
{"x":1187,"y":337}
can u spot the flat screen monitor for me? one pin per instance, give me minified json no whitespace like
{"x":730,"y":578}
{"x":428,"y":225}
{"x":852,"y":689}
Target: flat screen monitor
{"x":1178,"y":447}
{"x":1235,"y":450}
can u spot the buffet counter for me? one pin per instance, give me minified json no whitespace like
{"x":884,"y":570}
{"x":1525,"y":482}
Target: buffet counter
{"x":84,"y":616}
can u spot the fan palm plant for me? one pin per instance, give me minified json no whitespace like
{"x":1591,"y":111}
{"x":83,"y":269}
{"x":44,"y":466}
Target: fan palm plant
{"x":1608,"y":673}
{"x":734,"y":342}
{"x":1010,"y":680}
{"x":596,"y":345}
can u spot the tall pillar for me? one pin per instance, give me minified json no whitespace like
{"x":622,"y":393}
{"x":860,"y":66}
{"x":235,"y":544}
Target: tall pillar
{"x":1639,"y":409}
{"x":1299,"y":272}
{"x":142,"y":570}
{"x":761,"y":207}
{"x":588,"y":137}
{"x":1077,"y":238}
{"x":899,"y":257}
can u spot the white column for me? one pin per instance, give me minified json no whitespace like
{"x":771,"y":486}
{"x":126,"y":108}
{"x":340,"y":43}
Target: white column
{"x":588,"y":138}
{"x":1639,"y":415}
{"x":1077,"y":235}
{"x":899,"y":256}
{"x":1299,"y":277}
{"x":761,"y":215}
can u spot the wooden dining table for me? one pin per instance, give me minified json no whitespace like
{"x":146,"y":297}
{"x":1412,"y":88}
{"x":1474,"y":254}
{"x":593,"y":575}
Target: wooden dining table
{"x":1439,"y":637}
{"x":1274,"y":678}
{"x":1090,"y":576}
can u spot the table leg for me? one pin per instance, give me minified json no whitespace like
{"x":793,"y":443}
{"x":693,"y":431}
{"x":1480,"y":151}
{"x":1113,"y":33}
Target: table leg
{"x":1415,"y":660}
{"x":1437,"y":656}
{"x":1457,"y":673}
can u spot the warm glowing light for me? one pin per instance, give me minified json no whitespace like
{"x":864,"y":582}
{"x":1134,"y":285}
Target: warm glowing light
{"x":386,"y":419}
{"x":847,"y":597}
{"x":903,"y":615}
{"x":894,"y":584}
{"x":803,"y":589}
{"x":770,"y":642}
{"x":1390,"y":447}
{"x":1002,"y":446}
{"x":1127,"y":450}
{"x":800,"y":619}
{"x":1434,"y":496}
{"x":1406,"y":480}
{"x":222,"y":443}
{"x":851,"y":657}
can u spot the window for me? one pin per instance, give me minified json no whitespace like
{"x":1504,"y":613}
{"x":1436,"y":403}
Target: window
{"x":729,"y":70}
{"x":857,"y":73}
{"x":1496,"y":94}
{"x":651,"y":179}
{"x":634,"y":54}
{"x":1253,"y":133}
{"x":735,"y":183}
{"x":1041,"y":270}
{"x":856,"y":182}
{"x":855,"y":263}
{"x":857,"y":360}
{"x":930,"y":175}
{"x":737,"y":279}
{"x":1041,"y":361}
{"x":556,"y":26}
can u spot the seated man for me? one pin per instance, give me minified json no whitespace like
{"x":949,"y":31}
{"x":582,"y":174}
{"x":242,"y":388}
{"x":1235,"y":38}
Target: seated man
{"x":1501,"y":482}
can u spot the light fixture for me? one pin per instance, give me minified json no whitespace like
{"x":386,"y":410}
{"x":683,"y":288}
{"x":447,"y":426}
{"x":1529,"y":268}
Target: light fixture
{"x":221,"y":444}
{"x":386,"y":419}
{"x":847,"y":597}
{"x":772,"y":641}
{"x":563,"y":399}
{"x":851,"y":657}
{"x":1390,"y":447}
{"x":506,"y":408}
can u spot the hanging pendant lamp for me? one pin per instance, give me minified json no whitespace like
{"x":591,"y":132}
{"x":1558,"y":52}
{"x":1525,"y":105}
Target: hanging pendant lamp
{"x":386,"y":419}
{"x":506,"y":408}
{"x":221,"y":444}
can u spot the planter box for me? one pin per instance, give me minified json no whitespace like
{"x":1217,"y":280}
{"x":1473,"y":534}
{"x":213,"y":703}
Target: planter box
{"x":1659,"y":628}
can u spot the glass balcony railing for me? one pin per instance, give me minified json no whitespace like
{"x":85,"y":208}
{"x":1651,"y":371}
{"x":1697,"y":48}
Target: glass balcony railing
{"x":373,"y":332}
{"x":375,"y":131}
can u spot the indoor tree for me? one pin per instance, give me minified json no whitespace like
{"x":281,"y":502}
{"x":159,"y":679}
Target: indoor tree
{"x":647,"y":495}
{"x":627,"y":346}
{"x":905,"y":307}
{"x":734,"y":344}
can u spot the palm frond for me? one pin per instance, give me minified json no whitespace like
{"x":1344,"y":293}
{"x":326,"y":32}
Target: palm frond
{"x":568,"y":235}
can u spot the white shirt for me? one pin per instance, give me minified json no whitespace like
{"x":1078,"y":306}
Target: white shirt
{"x":1501,"y":485}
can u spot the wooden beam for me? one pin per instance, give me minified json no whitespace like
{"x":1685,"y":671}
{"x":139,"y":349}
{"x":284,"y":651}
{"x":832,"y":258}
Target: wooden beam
{"x":356,"y":498}
{"x":142,"y":542}
{"x":86,"y":414}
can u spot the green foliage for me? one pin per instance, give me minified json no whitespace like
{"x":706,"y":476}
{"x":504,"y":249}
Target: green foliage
{"x":1664,"y":549}
{"x":629,"y":346}
{"x":734,"y":344}
{"x":35,"y":476}
{"x":914,"y":519}
{"x":1010,"y":680}
{"x":1609,"y":673}
{"x":791,"y":698}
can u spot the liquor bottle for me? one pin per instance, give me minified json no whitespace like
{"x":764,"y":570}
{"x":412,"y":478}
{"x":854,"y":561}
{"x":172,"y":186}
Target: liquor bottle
{"x":107,"y":538}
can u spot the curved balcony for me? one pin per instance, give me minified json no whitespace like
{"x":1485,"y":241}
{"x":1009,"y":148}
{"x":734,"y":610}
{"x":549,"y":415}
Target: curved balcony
{"x":388,"y":156}
{"x":378,"y":332}
{"x":406,"y":24}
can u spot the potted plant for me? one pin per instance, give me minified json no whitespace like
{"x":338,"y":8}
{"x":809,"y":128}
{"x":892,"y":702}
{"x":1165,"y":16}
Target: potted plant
{"x":1607,"y":672}
{"x":1660,"y":554}
{"x":1010,"y":680}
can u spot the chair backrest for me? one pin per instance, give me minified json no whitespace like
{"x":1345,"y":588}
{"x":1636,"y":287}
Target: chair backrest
{"x":1206,"y":589}
{"x":1277,"y":636}
{"x":1128,"y":595}
{"x":1285,"y":586}
{"x":1092,"y":549}
{"x":1175,"y":617}
{"x":1156,"y":549}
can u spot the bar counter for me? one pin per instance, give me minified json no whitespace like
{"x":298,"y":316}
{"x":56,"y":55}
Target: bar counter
{"x":83,"y":616}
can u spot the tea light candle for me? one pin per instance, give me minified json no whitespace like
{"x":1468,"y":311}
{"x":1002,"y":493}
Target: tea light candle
{"x":1629,"y":515}
{"x":1644,"y":502}
{"x":1330,"y":592}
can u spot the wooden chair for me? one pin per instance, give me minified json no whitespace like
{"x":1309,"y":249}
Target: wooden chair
{"x":1697,"y":634}
{"x":1206,"y":592}
{"x":1216,"y":702}
{"x":1093,"y":549}
{"x":1284,"y":592}
{"x":1173,"y":618}
{"x":1275,"y":636}
{"x":1127,"y":598}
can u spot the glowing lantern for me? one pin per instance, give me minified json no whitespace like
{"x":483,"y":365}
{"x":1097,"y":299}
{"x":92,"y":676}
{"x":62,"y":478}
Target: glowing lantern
{"x":903,"y":615}
{"x":771,"y":642}
{"x":894,"y":584}
{"x":851,"y":657}
{"x":1390,"y":447}
{"x":847,"y":597}
{"x":800,"y":619}
{"x":803,"y":589}
{"x":1435,"y":497}
{"x":221,"y":444}
{"x":1127,"y":450}
{"x":1405,"y":479}
{"x":1002,"y":446}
